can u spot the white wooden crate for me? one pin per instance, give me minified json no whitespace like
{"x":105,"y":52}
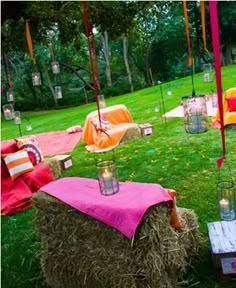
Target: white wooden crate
{"x":222,"y":236}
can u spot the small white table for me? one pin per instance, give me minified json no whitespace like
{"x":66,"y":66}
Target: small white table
{"x":222,"y":236}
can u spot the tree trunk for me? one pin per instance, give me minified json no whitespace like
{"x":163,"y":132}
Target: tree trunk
{"x":125,"y":50}
{"x":105,"y":49}
{"x":147,"y":66}
{"x":50,"y":84}
{"x":228,"y":53}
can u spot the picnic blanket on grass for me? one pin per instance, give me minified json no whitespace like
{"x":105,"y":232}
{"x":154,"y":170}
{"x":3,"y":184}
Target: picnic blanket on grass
{"x":59,"y":142}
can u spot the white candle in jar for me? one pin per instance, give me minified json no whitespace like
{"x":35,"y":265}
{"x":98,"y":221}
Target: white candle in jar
{"x":224,"y":205}
{"x":17,"y":120}
{"x":107,"y":179}
{"x":10,"y":96}
{"x":7,"y":113}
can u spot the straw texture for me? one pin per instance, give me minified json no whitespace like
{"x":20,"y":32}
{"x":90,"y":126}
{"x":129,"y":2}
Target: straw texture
{"x":78,"y":251}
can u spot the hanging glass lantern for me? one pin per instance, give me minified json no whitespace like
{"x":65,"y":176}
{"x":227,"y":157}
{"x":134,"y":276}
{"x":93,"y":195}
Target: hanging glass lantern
{"x":8,"y":111}
{"x":102,"y":102}
{"x":10,"y":96}
{"x":17,"y":118}
{"x":106,"y":173}
{"x":36,"y":79}
{"x":55,"y":67}
{"x":207,"y":72}
{"x":58,"y":92}
{"x":226,"y":198}
{"x":195,"y":114}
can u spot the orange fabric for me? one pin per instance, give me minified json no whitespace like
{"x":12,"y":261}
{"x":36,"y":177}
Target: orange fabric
{"x":229,"y":117}
{"x":190,"y":59}
{"x":120,"y":120}
{"x":175,"y":220}
{"x":29,"y":42}
{"x":203,"y":20}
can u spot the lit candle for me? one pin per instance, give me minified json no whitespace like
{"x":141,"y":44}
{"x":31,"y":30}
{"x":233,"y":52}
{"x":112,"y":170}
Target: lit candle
{"x":7,"y":114}
{"x":59,"y":95}
{"x":17,"y":120}
{"x":10,"y":96}
{"x":107,"y":179}
{"x":207,"y":77}
{"x":224,"y":205}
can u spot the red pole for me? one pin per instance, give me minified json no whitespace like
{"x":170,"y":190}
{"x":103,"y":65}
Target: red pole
{"x":216,"y":51}
{"x":92,"y":57}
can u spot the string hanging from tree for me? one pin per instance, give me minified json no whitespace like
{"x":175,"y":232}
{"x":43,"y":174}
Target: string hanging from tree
{"x":36,"y":79}
{"x":56,"y":72}
{"x":190,"y":58}
{"x":92,"y":58}
{"x":10,"y":94}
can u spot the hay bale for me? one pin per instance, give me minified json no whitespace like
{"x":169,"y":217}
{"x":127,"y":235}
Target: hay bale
{"x":78,"y":251}
{"x":131,"y":133}
{"x":55,"y":166}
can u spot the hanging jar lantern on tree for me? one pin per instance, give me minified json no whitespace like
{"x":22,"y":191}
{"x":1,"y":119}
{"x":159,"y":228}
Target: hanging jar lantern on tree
{"x":10,"y":96}
{"x":36,"y":79}
{"x":207,"y":72}
{"x":55,"y":67}
{"x":8,"y":111}
{"x":195,"y":114}
{"x":17,"y":120}
{"x":58,"y":92}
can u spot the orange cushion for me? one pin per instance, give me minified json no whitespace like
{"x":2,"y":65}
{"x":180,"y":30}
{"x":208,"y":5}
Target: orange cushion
{"x":175,"y":220}
{"x":17,"y":163}
{"x":231,"y":104}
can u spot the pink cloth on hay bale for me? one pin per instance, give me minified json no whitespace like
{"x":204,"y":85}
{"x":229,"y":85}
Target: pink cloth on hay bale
{"x":123,"y":211}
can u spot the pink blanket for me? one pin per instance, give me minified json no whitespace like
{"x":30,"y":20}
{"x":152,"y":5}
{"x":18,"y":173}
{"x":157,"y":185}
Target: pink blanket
{"x":123,"y":211}
{"x":59,"y":142}
{"x":53,"y":143}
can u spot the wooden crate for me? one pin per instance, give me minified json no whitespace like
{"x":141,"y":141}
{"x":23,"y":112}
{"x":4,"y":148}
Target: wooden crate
{"x":65,"y":161}
{"x":146,"y":129}
{"x":222,"y":236}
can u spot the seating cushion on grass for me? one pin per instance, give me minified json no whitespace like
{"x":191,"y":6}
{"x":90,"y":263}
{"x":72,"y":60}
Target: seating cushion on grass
{"x":78,"y":251}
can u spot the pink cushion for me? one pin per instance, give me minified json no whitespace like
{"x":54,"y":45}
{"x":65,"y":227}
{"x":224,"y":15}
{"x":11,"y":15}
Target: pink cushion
{"x":231,"y":104}
{"x":31,"y":145}
{"x":8,"y":147}
{"x":15,"y":196}
{"x":41,"y":175}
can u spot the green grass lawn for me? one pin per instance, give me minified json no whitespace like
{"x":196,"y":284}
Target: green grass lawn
{"x":170,"y":157}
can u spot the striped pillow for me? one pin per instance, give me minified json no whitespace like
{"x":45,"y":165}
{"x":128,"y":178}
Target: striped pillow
{"x":17,"y":163}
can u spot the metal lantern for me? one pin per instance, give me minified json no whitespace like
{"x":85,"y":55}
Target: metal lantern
{"x":8,"y":111}
{"x":10,"y":96}
{"x":102,"y":102}
{"x":55,"y":67}
{"x":58,"y":92}
{"x":106,"y":173}
{"x":226,"y":198}
{"x":195,"y":114}
{"x":17,"y":120}
{"x":36,"y":79}
{"x":17,"y":117}
{"x":207,"y":72}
